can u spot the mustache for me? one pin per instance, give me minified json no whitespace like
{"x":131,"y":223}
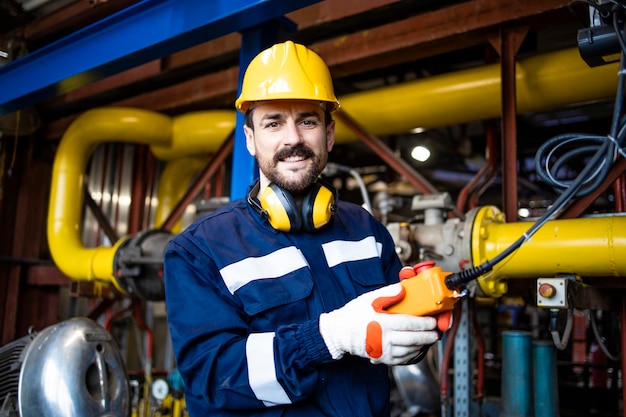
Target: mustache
{"x":299,"y":150}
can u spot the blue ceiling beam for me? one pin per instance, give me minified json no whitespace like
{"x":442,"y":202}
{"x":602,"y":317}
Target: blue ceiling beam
{"x":135,"y":35}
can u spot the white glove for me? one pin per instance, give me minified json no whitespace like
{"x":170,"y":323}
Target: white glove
{"x":363,"y":328}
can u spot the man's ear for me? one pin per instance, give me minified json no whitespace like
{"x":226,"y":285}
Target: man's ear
{"x":330,"y":135}
{"x":249,"y":132}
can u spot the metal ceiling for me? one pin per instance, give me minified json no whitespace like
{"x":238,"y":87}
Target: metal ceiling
{"x":375,"y":41}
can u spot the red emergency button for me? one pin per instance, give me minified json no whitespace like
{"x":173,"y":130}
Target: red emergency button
{"x":547,"y":290}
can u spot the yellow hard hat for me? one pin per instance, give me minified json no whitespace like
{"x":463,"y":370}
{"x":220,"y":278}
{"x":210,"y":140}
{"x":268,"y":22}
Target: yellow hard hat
{"x":287,"y":71}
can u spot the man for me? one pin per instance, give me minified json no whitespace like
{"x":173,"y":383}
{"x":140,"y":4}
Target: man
{"x":276,"y":302}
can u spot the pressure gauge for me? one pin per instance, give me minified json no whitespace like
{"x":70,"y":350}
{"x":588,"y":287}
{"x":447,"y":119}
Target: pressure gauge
{"x":160,"y":389}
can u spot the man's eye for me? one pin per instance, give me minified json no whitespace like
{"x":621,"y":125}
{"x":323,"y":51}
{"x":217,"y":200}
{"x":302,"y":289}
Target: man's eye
{"x":272,"y":125}
{"x":309,"y":123}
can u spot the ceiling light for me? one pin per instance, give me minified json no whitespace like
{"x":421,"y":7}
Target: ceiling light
{"x":523,"y":212}
{"x":420,"y":153}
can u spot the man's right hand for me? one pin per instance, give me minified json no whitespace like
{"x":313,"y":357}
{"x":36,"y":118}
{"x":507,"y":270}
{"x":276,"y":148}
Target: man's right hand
{"x":363,"y":328}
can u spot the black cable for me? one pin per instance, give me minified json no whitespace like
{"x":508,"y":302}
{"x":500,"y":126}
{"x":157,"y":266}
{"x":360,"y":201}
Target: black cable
{"x":620,"y":37}
{"x":600,"y":162}
{"x":604,"y":12}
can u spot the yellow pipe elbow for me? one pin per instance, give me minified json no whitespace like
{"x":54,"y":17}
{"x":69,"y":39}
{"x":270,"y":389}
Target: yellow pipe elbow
{"x":587,"y":247}
{"x":65,"y":206}
{"x":197,"y":133}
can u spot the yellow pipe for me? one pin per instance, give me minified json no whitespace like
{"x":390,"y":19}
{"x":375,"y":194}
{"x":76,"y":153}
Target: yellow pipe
{"x":543,"y":82}
{"x":66,"y":196}
{"x":197,"y":133}
{"x":173,"y":184}
{"x":548,"y":81}
{"x":588,"y":247}
{"x":114,"y":124}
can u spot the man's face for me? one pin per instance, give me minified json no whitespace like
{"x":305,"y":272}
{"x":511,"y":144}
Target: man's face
{"x":290,"y":142}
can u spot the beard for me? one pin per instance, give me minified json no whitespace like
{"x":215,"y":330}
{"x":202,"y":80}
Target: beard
{"x":293,"y":185}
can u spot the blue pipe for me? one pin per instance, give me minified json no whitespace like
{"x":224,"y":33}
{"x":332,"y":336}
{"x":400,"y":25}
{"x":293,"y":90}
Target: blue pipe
{"x":516,"y":384}
{"x":545,"y":379}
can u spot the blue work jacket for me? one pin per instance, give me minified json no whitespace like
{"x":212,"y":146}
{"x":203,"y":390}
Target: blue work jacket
{"x":243,"y":302}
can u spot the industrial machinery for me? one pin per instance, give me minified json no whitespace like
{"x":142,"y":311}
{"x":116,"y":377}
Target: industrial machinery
{"x":70,"y":369}
{"x":553,"y":272}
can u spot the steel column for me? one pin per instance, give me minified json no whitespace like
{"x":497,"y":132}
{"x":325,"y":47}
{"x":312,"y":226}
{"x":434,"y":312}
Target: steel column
{"x":511,"y":40}
{"x":463,"y":370}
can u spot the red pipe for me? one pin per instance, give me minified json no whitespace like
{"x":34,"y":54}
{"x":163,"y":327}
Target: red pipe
{"x":470,"y":186}
{"x":578,"y":206}
{"x":619,"y":189}
{"x":491,"y":132}
{"x":511,"y":41}
{"x":493,"y":173}
{"x":146,"y":329}
{"x":447,"y":354}
{"x":112,"y":316}
{"x":487,"y":173}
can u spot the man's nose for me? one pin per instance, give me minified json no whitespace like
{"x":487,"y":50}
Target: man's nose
{"x":293,"y":135}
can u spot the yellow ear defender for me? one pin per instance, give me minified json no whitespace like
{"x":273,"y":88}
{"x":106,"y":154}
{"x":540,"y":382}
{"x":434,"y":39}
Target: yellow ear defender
{"x":279,"y":206}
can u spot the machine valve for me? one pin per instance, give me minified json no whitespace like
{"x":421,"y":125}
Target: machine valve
{"x":426,"y":294}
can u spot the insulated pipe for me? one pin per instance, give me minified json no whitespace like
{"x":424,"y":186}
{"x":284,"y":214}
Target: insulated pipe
{"x":591,"y":246}
{"x":194,"y":133}
{"x":547,"y":81}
